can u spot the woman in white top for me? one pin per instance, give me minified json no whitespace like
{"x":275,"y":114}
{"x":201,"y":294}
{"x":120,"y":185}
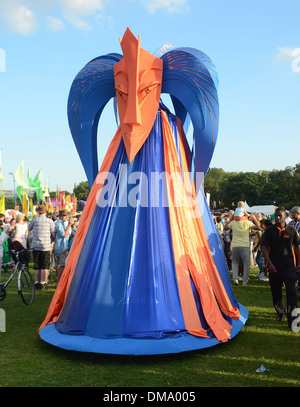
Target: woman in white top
{"x":21,"y":230}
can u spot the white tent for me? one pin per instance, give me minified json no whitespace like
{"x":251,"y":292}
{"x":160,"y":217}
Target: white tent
{"x":265,"y":209}
{"x":246,"y":207}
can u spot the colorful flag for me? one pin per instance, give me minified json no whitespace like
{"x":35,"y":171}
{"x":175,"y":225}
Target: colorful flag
{"x":22,"y":188}
{"x":1,"y":175}
{"x":2,"y":204}
{"x":34,"y":183}
{"x":62,"y":200}
{"x":19,"y":177}
{"x":31,"y":208}
{"x":25,"y":205}
{"x":46,"y":193}
{"x":74,"y":201}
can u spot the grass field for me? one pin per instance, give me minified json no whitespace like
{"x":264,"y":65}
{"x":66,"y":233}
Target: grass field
{"x":27,"y":361}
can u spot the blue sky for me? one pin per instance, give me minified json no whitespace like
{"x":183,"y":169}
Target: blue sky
{"x":43,"y":45}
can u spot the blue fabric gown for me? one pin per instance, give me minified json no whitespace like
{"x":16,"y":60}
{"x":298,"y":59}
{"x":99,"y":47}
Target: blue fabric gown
{"x":124,"y":297}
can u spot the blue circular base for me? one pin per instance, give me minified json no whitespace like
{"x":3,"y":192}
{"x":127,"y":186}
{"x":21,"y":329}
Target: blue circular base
{"x":130,"y":346}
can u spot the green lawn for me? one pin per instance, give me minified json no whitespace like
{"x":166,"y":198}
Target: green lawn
{"x":26,"y":360}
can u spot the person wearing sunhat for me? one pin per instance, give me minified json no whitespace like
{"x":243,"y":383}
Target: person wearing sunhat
{"x":62,"y":234}
{"x":42,"y":228}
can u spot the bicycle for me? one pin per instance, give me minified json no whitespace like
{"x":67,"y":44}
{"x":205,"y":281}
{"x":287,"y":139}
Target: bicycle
{"x":25,"y":282}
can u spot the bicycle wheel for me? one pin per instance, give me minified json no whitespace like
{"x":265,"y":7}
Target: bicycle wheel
{"x":25,"y":286}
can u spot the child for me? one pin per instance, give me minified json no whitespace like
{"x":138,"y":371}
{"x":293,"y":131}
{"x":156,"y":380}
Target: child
{"x":240,"y":213}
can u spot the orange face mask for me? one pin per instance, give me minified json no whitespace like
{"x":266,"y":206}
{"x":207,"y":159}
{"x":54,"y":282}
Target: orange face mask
{"x":138,"y":78}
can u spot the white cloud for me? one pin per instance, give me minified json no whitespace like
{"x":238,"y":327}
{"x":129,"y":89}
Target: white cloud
{"x":18,"y":17}
{"x":286,"y":54}
{"x":75,"y":11}
{"x":55,"y":24}
{"x":172,"y":6}
{"x":22,"y":15}
{"x":25,"y":16}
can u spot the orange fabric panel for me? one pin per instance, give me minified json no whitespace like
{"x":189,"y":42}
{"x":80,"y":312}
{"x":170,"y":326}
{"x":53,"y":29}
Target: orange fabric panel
{"x":218,"y":287}
{"x":61,"y":291}
{"x":194,"y":255}
{"x":189,"y":309}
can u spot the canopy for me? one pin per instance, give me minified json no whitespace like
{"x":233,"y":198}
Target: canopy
{"x":265,"y":209}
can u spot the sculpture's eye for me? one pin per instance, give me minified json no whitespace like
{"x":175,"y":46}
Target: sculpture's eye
{"x":148,"y":89}
{"x":121,"y":93}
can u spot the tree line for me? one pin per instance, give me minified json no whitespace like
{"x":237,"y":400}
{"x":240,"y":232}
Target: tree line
{"x":276,"y":187}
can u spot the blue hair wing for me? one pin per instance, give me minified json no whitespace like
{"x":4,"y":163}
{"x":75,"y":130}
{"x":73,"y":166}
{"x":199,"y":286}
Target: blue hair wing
{"x":189,"y":76}
{"x":91,"y":90}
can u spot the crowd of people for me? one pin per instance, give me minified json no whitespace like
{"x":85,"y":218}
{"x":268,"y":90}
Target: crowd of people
{"x":270,"y":243}
{"x":247,"y":239}
{"x":48,"y":236}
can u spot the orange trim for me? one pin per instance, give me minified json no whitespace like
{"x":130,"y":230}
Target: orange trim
{"x":238,"y":218}
{"x":61,"y":291}
{"x":223,"y":299}
{"x":294,"y":257}
{"x":191,"y":249}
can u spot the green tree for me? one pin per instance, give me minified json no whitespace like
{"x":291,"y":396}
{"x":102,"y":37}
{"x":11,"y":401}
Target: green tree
{"x":82,"y":191}
{"x":268,"y":193}
{"x":296,"y":183}
{"x":10,"y":203}
{"x":242,"y":187}
{"x":287,"y":183}
{"x":213,"y":184}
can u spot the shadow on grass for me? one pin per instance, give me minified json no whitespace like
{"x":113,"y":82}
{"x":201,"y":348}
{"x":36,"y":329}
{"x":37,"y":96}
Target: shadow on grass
{"x":27,"y":360}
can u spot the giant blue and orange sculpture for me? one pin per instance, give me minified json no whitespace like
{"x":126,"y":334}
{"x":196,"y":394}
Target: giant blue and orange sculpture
{"x":145,"y":275}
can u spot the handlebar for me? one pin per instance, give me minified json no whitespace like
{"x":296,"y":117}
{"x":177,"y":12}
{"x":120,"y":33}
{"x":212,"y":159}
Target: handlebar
{"x":20,"y":251}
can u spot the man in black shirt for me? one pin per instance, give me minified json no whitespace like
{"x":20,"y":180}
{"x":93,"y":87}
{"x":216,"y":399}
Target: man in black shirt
{"x":278,"y":251}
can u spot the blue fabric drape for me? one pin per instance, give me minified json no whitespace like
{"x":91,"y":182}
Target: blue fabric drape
{"x":125,"y":280}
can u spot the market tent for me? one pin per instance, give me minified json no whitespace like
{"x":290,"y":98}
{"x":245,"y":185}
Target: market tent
{"x":246,"y":207}
{"x":265,"y":209}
